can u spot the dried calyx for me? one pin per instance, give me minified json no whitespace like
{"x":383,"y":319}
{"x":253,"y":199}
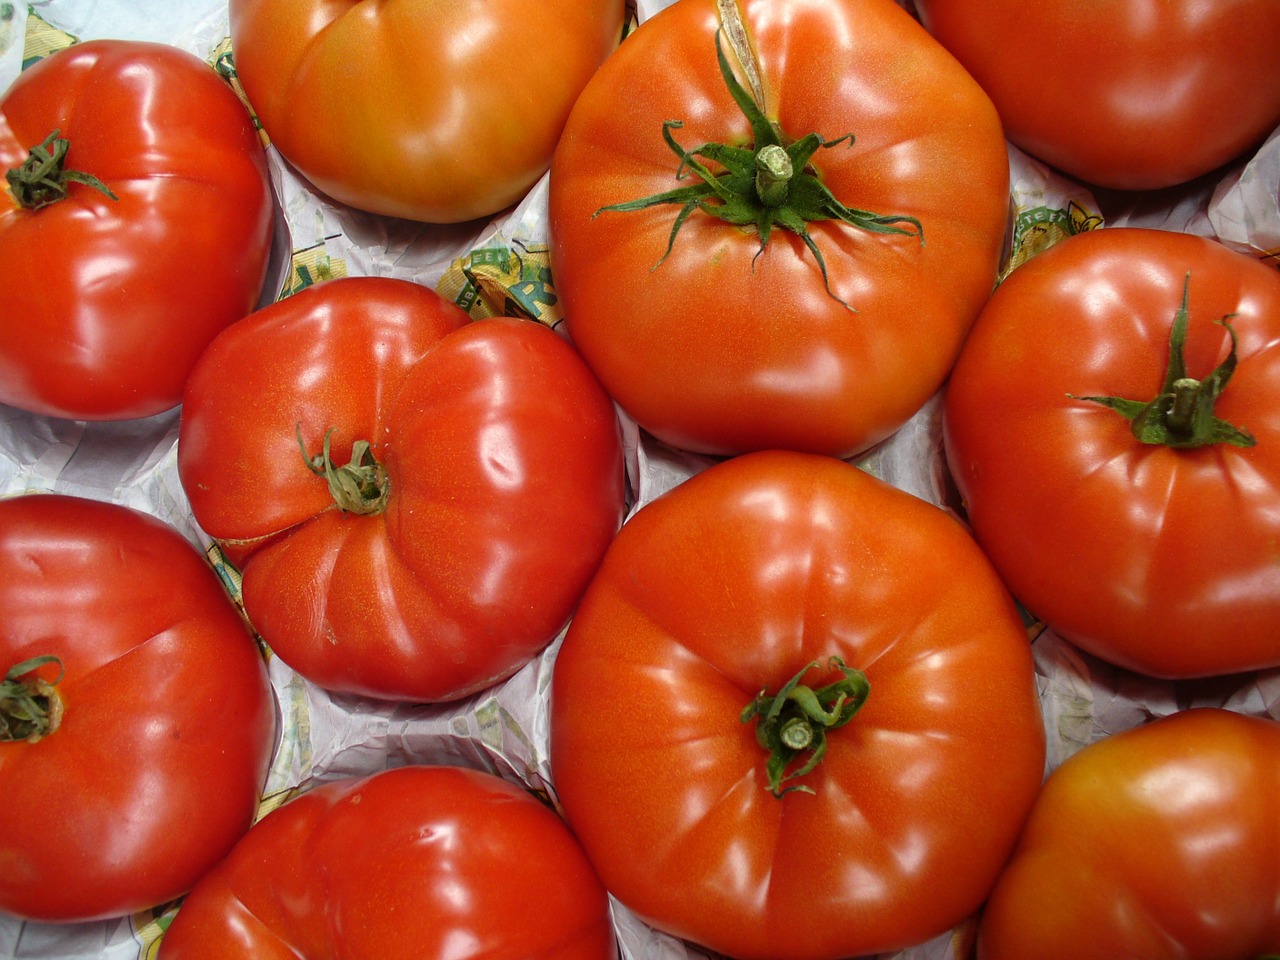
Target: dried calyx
{"x":30,"y":707}
{"x":43,"y":178}
{"x":360,"y":486}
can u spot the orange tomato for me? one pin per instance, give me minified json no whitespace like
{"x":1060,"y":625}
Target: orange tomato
{"x":433,"y":110}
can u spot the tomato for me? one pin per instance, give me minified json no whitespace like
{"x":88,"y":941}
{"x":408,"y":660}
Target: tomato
{"x":136,"y":721}
{"x":434,"y":111}
{"x":109,"y":292}
{"x":1158,"y":842}
{"x":754,"y":573}
{"x":476,"y":479}
{"x":713,"y":339}
{"x":1152,"y":546}
{"x":1127,"y":94}
{"x":429,"y":863}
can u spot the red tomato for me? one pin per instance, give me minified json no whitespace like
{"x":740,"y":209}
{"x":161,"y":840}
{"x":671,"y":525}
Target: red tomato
{"x":1155,"y":554}
{"x":419,"y":863}
{"x":107,"y":301}
{"x":717,"y":343}
{"x":145,"y":755}
{"x":1158,"y":843}
{"x":759,"y":570}
{"x":1127,"y":93}
{"x":490,"y":476}
{"x":433,"y":111}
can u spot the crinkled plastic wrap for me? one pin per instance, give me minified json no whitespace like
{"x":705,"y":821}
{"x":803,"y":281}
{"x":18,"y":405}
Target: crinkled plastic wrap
{"x":500,"y":267}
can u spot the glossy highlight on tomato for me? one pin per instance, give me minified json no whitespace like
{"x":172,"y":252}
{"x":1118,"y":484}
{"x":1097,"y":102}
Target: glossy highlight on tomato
{"x":433,"y":110}
{"x":717,"y":342}
{"x":109,"y":293}
{"x":146,"y":754}
{"x":1126,"y":94}
{"x":762,"y":570}
{"x":415,"y":500}
{"x":1157,"y":842}
{"x":1149,"y":545}
{"x":413,"y":863}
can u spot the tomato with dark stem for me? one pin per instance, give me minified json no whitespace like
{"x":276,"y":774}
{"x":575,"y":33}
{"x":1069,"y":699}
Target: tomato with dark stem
{"x":136,"y":720}
{"x":795,"y":716}
{"x":1113,"y":428}
{"x":415,"y":501}
{"x":137,"y":225}
{"x":773,"y":222}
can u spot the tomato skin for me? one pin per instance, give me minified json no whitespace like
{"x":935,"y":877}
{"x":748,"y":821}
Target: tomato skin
{"x":719,"y":350}
{"x":169,"y":723}
{"x":105,"y":305}
{"x":731,"y":583}
{"x":439,"y":112}
{"x":1156,"y":559}
{"x":504,"y":470}
{"x":1125,"y":94}
{"x":1157,"y":842}
{"x":416,"y":862}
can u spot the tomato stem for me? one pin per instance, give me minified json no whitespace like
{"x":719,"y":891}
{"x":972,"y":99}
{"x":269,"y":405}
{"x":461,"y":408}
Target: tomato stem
{"x":768,"y":183}
{"x":43,"y":177}
{"x":795,"y":721}
{"x":360,"y":486}
{"x":1181,"y":416}
{"x":30,"y":707}
{"x":773,"y":175}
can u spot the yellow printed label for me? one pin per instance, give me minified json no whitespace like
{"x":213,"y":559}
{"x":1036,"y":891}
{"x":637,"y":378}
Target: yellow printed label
{"x":230,"y":577}
{"x":1038,"y":228}
{"x":503,"y":281}
{"x":227,"y":573}
{"x":149,"y":927}
{"x":964,"y":940}
{"x":309,"y":266}
{"x":223,"y":62}
{"x":43,"y":39}
{"x":274,"y":801}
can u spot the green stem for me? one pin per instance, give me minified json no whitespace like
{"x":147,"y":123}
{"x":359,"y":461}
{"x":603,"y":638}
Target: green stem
{"x":1181,"y":416}
{"x":43,"y":178}
{"x":360,"y":486}
{"x":765,"y":184}
{"x":30,"y":707}
{"x":773,"y":175}
{"x":792,"y":724}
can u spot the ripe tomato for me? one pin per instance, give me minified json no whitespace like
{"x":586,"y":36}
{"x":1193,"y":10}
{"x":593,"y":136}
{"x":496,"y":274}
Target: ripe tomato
{"x":716,"y":342}
{"x":1128,"y":93}
{"x":1156,"y":554}
{"x":107,"y":300}
{"x":131,"y":764}
{"x":427,"y":863}
{"x":433,"y":111}
{"x":476,"y":480}
{"x":754,"y":572}
{"x":1159,"y":842}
